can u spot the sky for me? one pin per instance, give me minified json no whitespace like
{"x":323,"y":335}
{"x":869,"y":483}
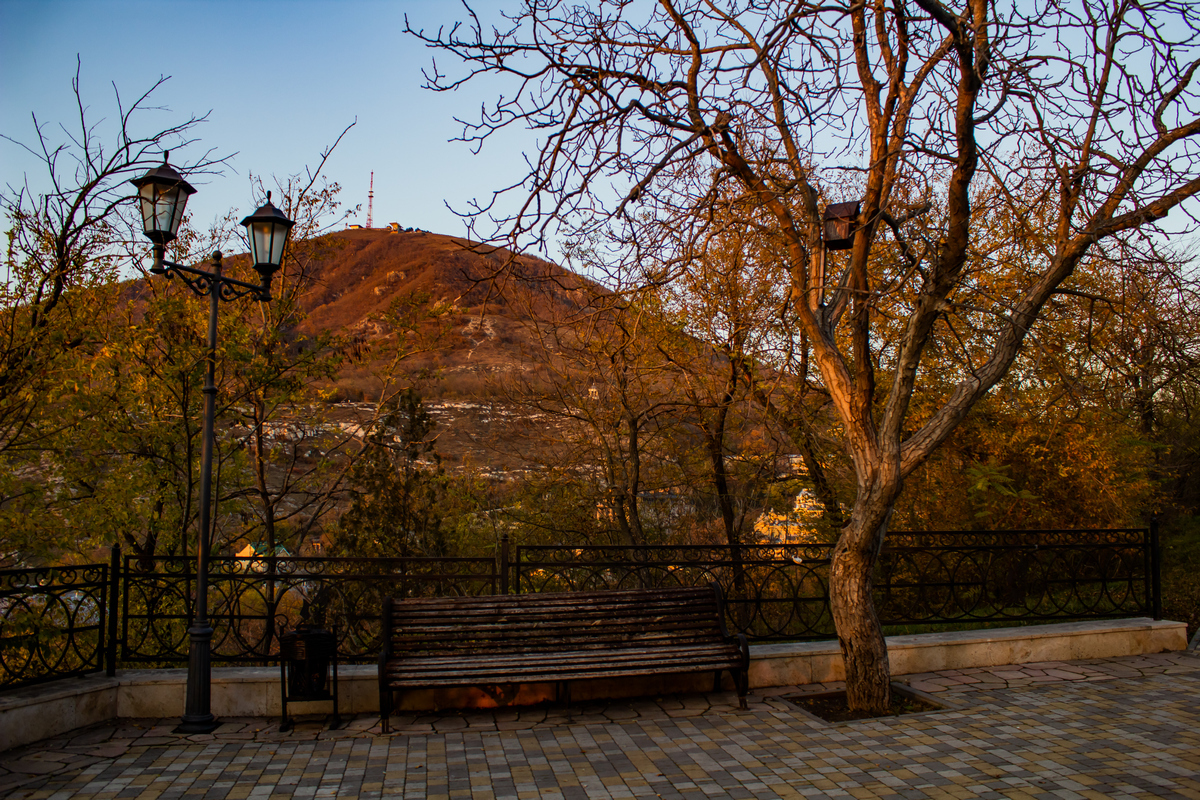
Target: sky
{"x":279,"y":79}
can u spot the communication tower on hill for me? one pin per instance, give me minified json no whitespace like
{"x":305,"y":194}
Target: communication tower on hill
{"x":371,"y":200}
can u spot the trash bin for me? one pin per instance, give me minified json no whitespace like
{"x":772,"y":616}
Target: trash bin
{"x":308,"y":669}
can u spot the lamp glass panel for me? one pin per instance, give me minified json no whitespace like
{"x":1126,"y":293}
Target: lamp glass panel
{"x":162,"y":207}
{"x":173,"y":201}
{"x":267,"y":241}
{"x":146,"y":195}
{"x":260,"y":245}
{"x":279,"y":237}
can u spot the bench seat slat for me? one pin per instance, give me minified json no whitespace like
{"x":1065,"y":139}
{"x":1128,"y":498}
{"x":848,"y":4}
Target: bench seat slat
{"x":545,"y":676}
{"x":556,"y":638}
{"x":546,"y":599}
{"x":729,"y":654}
{"x":519,"y":602}
{"x":465,"y":648}
{"x":500,"y":618}
{"x":531,"y":629}
{"x":544,"y":671}
{"x":647,"y":630}
{"x":508,"y":671}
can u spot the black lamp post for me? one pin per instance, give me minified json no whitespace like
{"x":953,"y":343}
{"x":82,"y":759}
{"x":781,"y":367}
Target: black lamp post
{"x":163,"y":193}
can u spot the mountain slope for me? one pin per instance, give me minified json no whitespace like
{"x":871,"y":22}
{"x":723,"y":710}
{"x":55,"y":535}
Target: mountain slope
{"x":484,"y":297}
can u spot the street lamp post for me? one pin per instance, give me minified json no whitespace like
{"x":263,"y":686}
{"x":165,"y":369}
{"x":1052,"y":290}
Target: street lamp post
{"x":162,"y":195}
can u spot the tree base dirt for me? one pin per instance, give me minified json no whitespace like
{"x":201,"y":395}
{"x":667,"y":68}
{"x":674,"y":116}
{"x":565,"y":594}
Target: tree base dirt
{"x":832,"y":706}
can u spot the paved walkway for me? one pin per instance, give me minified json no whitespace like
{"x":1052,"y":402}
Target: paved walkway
{"x":1113,"y":728}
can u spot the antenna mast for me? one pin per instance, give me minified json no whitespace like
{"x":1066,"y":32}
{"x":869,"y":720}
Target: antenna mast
{"x":371,"y":200}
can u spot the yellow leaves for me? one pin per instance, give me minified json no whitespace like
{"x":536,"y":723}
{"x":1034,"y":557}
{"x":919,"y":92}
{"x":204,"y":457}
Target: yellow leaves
{"x":1021,"y":465}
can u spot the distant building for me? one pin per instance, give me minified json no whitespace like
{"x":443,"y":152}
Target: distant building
{"x":315,"y":545}
{"x":798,"y":526}
{"x":260,"y":550}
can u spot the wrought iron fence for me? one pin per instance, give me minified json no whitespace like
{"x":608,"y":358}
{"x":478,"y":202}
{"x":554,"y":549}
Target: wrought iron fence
{"x":1005,"y":576}
{"x":771,"y":592}
{"x":61,"y":621}
{"x":53,"y":623}
{"x":253,"y":600}
{"x":927,"y":578}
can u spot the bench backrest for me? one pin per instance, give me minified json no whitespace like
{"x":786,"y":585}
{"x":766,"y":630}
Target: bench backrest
{"x":541,"y":622}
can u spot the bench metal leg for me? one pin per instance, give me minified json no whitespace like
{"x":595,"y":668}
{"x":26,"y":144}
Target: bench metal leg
{"x":562,"y":693}
{"x":337,"y":718}
{"x":284,"y":724}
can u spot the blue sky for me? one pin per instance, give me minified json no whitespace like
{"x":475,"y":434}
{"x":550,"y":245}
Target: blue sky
{"x":281,"y":80}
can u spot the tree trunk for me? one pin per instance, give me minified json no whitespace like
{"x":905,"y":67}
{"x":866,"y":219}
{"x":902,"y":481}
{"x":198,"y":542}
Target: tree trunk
{"x":864,"y":652}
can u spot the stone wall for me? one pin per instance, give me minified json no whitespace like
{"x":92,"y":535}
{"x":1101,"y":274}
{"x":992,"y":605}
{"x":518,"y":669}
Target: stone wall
{"x":37,"y":712}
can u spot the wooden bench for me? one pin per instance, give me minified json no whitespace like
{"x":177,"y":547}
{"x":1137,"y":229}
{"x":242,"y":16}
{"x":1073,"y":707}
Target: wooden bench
{"x":556,"y":638}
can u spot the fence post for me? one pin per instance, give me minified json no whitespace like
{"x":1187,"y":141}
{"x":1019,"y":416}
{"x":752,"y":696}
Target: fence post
{"x":504,"y":564}
{"x":1155,"y":569}
{"x":114,"y":598}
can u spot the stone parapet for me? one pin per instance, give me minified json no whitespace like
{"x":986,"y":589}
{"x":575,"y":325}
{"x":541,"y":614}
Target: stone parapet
{"x":38,"y":712}
{"x":821,"y":662}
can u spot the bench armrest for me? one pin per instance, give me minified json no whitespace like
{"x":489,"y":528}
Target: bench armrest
{"x":385,"y":629}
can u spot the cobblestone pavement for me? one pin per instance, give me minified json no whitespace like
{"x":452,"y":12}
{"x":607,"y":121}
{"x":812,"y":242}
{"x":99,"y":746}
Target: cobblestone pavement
{"x":1112,"y":728}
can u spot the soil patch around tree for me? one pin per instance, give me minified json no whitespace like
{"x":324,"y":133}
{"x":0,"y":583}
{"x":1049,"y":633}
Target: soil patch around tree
{"x":832,"y":706}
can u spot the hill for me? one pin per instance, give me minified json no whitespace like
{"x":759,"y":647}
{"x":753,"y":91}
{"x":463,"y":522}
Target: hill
{"x":484,"y":299}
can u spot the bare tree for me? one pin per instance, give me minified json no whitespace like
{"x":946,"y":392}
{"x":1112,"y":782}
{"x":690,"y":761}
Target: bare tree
{"x":731,"y":295}
{"x":271,"y":388}
{"x":67,"y":237}
{"x":1085,"y":111}
{"x":600,"y":381}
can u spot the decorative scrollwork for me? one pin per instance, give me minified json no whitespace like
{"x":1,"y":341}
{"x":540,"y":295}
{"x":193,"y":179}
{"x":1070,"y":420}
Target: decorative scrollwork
{"x":252,"y":601}
{"x":202,"y":283}
{"x":776,"y":592}
{"x":51,"y":623}
{"x":232,"y":290}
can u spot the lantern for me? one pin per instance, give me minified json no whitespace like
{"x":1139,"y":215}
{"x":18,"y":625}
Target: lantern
{"x":162,"y":195}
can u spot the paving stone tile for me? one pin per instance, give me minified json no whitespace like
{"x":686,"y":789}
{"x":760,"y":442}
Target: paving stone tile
{"x":1110,"y":728}
{"x":32,"y":766}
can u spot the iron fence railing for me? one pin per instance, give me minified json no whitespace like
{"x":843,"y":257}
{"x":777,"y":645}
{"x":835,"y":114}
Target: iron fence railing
{"x":928,"y":578}
{"x":60,"y":621}
{"x":252,"y":601}
{"x":1006,"y":576}
{"x":54,"y":623}
{"x":771,"y":592}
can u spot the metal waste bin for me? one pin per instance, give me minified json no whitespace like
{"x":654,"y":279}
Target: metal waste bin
{"x":308,"y":669}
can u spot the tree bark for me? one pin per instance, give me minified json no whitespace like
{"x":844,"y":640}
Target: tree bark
{"x":851,"y":582}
